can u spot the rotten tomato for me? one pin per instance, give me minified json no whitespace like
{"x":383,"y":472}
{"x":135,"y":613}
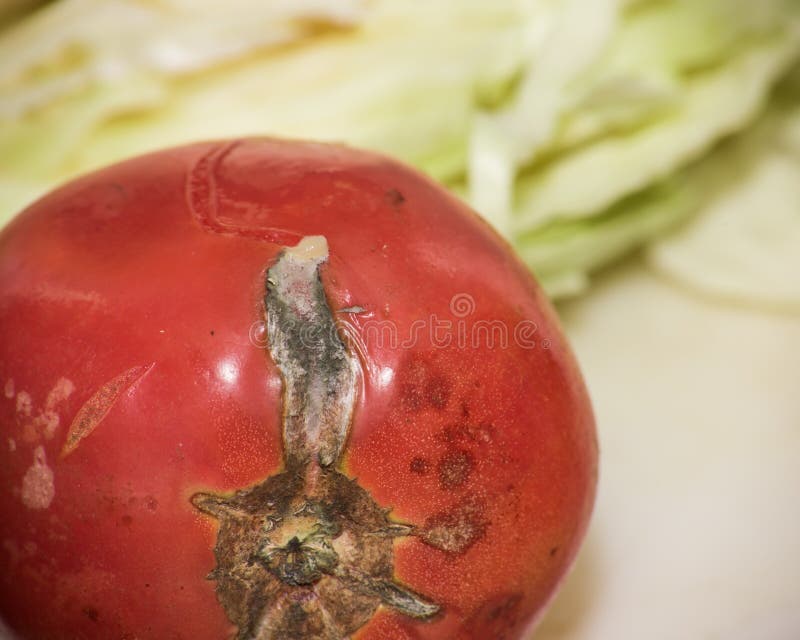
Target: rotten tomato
{"x":266,"y":390}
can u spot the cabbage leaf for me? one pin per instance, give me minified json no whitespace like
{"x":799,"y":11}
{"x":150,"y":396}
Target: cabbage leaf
{"x":744,"y":245}
{"x":579,"y":128}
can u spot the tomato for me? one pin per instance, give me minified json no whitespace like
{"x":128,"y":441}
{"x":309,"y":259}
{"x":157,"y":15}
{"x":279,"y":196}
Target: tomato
{"x":266,"y":390}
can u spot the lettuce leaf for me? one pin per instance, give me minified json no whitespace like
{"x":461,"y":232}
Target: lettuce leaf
{"x":576,"y":127}
{"x":393,"y":84}
{"x":564,"y":252}
{"x":712,"y":106}
{"x":745,"y":244}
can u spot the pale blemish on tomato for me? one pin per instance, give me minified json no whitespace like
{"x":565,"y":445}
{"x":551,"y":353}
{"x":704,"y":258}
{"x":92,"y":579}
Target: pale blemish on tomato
{"x":8,"y":390}
{"x":96,"y":408}
{"x":24,"y":403}
{"x":12,"y":445}
{"x":61,"y":391}
{"x":38,"y":487}
{"x":456,"y":530}
{"x":48,"y":420}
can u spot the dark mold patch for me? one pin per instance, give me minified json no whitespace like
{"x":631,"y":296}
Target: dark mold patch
{"x":468,"y":433}
{"x":454,"y":469}
{"x":438,"y":392}
{"x":498,"y":619}
{"x":395,"y":198}
{"x":423,"y":387}
{"x":91,"y":612}
{"x":420,"y":466}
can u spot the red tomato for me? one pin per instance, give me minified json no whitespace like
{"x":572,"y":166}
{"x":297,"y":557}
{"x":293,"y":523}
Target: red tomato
{"x":269,"y":390}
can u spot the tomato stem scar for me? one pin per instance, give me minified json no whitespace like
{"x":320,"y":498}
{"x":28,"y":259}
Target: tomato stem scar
{"x":307,"y":553}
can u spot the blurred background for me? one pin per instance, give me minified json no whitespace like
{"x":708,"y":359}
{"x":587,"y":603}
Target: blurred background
{"x":643,"y":157}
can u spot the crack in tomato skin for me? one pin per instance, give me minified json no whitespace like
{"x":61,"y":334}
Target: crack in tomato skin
{"x":307,"y":553}
{"x":203,"y":199}
{"x":95,"y":409}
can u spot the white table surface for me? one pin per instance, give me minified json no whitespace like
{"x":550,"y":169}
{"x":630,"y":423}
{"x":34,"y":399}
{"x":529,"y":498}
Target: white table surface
{"x":696,"y":533}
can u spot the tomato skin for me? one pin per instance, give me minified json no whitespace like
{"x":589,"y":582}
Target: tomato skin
{"x":131,"y":306}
